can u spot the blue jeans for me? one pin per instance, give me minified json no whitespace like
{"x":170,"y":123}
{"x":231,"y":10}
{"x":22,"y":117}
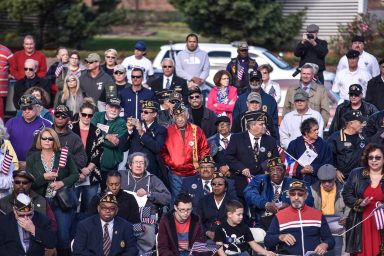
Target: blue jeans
{"x":337,"y":250}
{"x":176,"y":182}
{"x":64,"y":221}
{"x":87,"y":193}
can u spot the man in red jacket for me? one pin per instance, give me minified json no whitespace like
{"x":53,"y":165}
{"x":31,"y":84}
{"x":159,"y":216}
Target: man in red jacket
{"x":184,"y":147}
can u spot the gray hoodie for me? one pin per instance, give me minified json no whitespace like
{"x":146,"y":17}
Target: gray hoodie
{"x":190,"y":64}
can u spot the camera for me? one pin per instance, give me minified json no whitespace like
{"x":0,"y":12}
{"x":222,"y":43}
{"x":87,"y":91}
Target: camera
{"x":310,"y":36}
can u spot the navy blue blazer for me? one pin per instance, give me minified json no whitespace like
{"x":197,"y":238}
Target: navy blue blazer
{"x":240,"y":156}
{"x":177,"y":84}
{"x":194,"y":187}
{"x":10,"y":244}
{"x":89,"y":238}
{"x":150,"y":143}
{"x":217,"y":151}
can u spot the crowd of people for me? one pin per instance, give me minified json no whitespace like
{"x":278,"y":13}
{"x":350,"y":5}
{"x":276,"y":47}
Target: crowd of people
{"x":103,"y":158}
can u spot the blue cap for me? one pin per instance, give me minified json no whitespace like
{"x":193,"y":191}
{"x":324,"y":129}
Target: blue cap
{"x":140,"y":45}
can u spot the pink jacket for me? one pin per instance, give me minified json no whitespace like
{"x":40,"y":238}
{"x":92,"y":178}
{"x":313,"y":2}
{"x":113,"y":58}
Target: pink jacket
{"x":220,"y":107}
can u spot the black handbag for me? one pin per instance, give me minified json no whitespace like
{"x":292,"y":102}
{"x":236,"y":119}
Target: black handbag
{"x":66,"y":198}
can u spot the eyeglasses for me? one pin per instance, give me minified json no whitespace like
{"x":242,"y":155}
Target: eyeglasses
{"x":71,"y":80}
{"x":23,"y":215}
{"x":217,"y":184}
{"x":377,"y":158}
{"x":28,"y":69}
{"x":118,"y":73}
{"x":167,"y":66}
{"x":174,"y":101}
{"x":139,"y":162}
{"x":110,"y":57}
{"x":194,"y":97}
{"x":47,"y":138}
{"x":60,"y":115}
{"x":108,"y":209}
{"x":27,"y":108}
{"x":18,"y":182}
{"x":136,"y":77}
{"x":184,"y":210}
{"x":146,"y":112}
{"x":296,"y":193}
{"x":86,"y":115}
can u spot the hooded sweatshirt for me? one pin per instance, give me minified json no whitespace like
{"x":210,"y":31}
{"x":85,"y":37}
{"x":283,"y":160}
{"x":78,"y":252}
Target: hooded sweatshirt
{"x":190,"y":64}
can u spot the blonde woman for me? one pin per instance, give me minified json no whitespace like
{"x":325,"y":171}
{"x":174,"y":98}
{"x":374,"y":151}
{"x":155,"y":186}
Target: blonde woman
{"x":71,"y":96}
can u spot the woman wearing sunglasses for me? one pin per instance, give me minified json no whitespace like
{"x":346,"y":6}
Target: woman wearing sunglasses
{"x":43,"y":164}
{"x":92,"y":139}
{"x":71,"y":96}
{"x":363,"y":192}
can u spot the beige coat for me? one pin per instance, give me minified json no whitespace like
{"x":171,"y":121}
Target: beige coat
{"x":318,"y":100}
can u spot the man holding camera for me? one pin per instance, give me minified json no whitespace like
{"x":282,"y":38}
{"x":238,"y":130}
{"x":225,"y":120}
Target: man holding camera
{"x":311,"y":49}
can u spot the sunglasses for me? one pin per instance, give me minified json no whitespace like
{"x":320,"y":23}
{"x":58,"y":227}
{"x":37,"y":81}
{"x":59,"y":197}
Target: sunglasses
{"x":86,"y":115}
{"x":167,"y":66}
{"x":59,"y":115}
{"x":377,"y":158}
{"x":194,"y":97}
{"x":18,"y":182}
{"x":146,"y":112}
{"x":110,"y":57}
{"x":27,"y":108}
{"x":71,"y":80}
{"x":118,"y":73}
{"x":47,"y":138}
{"x":174,"y":101}
{"x":90,"y":62}
{"x":28,"y":69}
{"x":22,"y":215}
{"x":296,"y":193}
{"x":136,"y":77}
{"x":217,"y":184}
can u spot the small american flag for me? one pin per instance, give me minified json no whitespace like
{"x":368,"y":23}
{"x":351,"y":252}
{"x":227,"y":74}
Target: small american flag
{"x":59,"y":69}
{"x":204,"y":247}
{"x":146,"y":217}
{"x":6,"y":163}
{"x":379,"y":217}
{"x":240,"y":73}
{"x":63,"y":157}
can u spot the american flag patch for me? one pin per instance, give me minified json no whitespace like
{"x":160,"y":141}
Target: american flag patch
{"x":145,"y":214}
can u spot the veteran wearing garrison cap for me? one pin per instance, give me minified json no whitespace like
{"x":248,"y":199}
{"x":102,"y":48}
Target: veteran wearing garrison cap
{"x":248,"y":150}
{"x":25,"y":231}
{"x":105,"y":233}
{"x":267,"y":192}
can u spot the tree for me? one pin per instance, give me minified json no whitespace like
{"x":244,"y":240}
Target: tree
{"x":62,"y":22}
{"x":257,"y":21}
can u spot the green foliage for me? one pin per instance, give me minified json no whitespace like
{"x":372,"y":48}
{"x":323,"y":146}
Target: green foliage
{"x":366,"y":25}
{"x":256,"y":21}
{"x":61,"y":22}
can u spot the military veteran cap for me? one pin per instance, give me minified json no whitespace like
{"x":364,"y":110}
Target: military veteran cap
{"x":28,"y":100}
{"x":218,"y":175}
{"x":223,"y":118}
{"x":355,"y":89}
{"x":114,"y":102}
{"x":179,"y":108}
{"x":149,"y":104}
{"x":256,"y":116}
{"x":275,"y":162}
{"x":63,"y":109}
{"x":92,"y":57}
{"x":352,"y":54}
{"x":254,"y":96}
{"x":297,"y":185}
{"x":163,"y":95}
{"x":255,"y":74}
{"x":119,"y":68}
{"x":301,"y":95}
{"x":243,"y":46}
{"x":175,"y":96}
{"x":23,"y":203}
{"x":207,"y":159}
{"x":23,"y":174}
{"x":354,"y":115}
{"x":108,"y":197}
{"x":313,"y":28}
{"x":357,"y":38}
{"x":326,"y":172}
{"x":195,"y":89}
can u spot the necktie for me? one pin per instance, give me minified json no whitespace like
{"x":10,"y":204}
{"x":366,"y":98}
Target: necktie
{"x":276,"y":195}
{"x":207,"y":190}
{"x":226,"y":142}
{"x":106,"y":241}
{"x":168,"y":84}
{"x":26,"y":239}
{"x":256,"y":147}
{"x":305,"y":88}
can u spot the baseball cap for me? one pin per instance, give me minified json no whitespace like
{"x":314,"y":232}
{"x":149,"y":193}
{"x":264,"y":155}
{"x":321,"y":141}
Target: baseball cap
{"x":301,"y":95}
{"x":114,"y":102}
{"x":93,"y":57}
{"x":119,"y":68}
{"x":28,"y":100}
{"x":63,"y":109}
{"x":254,"y":96}
{"x":297,"y":185}
{"x":141,"y":46}
{"x":357,"y":38}
{"x":220,"y":119}
{"x":352,"y":54}
{"x":354,"y":115}
{"x":355,"y":89}
{"x":255,"y":74}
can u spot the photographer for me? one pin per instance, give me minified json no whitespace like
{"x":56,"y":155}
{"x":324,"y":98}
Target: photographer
{"x":313,"y":50}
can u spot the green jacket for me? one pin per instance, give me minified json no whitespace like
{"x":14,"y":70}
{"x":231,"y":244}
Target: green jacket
{"x":112,"y":155}
{"x":69,"y":174}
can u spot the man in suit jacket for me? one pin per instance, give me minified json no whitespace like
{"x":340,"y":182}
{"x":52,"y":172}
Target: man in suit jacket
{"x":200,"y":185}
{"x":248,"y":150}
{"x":25,"y":231}
{"x":318,"y":96}
{"x":105,"y":234}
{"x":170,"y":81}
